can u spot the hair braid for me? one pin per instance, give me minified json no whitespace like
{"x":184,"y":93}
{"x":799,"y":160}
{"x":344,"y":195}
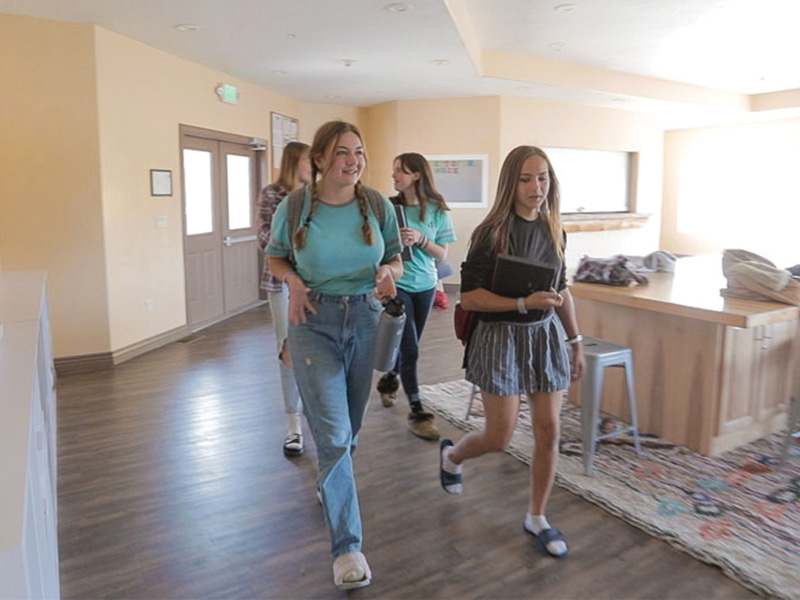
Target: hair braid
{"x":366,"y":228}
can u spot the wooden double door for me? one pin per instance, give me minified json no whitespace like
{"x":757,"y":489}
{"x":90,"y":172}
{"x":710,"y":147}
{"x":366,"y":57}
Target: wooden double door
{"x":220,"y":183}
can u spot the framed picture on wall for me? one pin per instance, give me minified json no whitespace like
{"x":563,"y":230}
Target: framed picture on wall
{"x":160,"y":182}
{"x":463,"y":179}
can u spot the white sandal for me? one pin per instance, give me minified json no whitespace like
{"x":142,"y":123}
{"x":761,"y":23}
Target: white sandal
{"x":293,"y":444}
{"x":351,"y":571}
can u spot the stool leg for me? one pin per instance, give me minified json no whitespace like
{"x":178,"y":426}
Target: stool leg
{"x":632,"y":402}
{"x":591,"y":391}
{"x":471,"y":400}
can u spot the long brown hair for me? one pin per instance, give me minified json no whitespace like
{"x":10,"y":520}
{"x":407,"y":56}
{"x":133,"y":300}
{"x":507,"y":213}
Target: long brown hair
{"x":424,"y":187}
{"x":289,"y":176}
{"x":325,"y":141}
{"x":496,"y":226}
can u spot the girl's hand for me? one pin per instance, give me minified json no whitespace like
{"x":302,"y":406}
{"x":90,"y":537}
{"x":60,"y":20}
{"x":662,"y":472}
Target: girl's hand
{"x":298,"y":299}
{"x":384,"y":283}
{"x":409,"y":236}
{"x":545,"y":300}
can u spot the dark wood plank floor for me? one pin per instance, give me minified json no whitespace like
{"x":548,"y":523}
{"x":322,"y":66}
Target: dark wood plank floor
{"x":172,"y":484}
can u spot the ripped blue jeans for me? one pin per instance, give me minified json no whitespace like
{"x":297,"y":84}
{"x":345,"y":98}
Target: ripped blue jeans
{"x":332,"y":354}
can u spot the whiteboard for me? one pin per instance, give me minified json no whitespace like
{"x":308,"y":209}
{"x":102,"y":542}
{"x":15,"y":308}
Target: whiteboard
{"x":463,"y":179}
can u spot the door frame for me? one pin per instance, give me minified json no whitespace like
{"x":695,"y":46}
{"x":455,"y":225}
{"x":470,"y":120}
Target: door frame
{"x":259,"y":146}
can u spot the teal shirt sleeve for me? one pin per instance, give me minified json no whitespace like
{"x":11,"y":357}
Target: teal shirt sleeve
{"x":445,"y":233}
{"x":279,"y":238}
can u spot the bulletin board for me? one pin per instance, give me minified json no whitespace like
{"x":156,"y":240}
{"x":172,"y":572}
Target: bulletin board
{"x":463,"y":179}
{"x":284,"y":130}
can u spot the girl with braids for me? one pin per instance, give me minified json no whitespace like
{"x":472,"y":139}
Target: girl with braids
{"x":427,"y":233}
{"x":295,"y":172}
{"x":338,"y":263}
{"x":511,"y":354}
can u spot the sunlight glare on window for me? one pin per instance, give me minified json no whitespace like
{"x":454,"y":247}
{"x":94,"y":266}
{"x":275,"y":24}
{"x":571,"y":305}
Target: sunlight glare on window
{"x":239,"y":206}
{"x":199,"y":197}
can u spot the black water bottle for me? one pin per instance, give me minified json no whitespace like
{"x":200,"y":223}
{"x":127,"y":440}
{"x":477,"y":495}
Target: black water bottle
{"x":390,"y":332}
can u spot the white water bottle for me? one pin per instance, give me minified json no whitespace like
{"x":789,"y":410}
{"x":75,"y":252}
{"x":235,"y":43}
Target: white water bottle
{"x":390,"y":332}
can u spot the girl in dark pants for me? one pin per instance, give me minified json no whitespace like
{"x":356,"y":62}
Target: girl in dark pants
{"x":427,"y":232}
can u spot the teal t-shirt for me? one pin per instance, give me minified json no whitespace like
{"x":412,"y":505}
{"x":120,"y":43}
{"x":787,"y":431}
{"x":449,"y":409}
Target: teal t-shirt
{"x":419,"y":273}
{"x":335,"y":259}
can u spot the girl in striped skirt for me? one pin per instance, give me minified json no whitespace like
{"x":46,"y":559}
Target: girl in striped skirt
{"x":519,"y":345}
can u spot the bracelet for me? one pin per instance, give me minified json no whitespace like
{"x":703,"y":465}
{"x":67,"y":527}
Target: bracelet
{"x":286,"y":275}
{"x":575,"y":339}
{"x":423,"y":241}
{"x":521,"y":308}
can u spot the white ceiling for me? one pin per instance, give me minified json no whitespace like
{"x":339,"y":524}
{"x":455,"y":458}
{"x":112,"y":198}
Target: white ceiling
{"x":299,"y":47}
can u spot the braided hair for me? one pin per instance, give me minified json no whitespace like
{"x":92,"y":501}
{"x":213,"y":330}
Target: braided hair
{"x":324,"y":143}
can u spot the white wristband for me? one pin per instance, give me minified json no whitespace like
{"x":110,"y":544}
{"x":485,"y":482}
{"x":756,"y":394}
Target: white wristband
{"x":521,"y":308}
{"x":575,"y":339}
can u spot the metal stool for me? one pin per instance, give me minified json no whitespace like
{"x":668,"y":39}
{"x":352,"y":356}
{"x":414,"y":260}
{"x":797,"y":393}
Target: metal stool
{"x":471,"y":400}
{"x":599,"y":355}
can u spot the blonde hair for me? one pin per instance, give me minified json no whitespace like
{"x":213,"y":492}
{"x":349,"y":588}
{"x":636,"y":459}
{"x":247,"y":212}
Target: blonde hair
{"x":289,"y":176}
{"x":325,"y":141}
{"x":496,"y":226}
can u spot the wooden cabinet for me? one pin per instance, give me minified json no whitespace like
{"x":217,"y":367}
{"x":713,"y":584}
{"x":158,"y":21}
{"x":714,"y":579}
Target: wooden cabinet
{"x":711,"y":373}
{"x":757,"y":381}
{"x":28,"y":520}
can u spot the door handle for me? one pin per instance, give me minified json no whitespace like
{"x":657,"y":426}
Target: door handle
{"x":230,"y":241}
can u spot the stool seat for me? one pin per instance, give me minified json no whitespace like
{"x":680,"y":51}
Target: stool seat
{"x":599,"y":355}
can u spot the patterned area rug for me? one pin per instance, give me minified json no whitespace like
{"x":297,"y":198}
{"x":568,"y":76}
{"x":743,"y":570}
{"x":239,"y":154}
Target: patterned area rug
{"x":734,"y":510}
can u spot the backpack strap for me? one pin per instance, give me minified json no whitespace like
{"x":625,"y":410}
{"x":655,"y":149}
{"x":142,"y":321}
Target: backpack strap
{"x":376,"y":204}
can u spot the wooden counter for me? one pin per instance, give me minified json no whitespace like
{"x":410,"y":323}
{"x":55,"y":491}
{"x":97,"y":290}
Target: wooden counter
{"x":712,"y":373}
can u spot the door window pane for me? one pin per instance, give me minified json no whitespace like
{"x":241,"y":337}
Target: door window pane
{"x":239,"y":209}
{"x":199,"y":196}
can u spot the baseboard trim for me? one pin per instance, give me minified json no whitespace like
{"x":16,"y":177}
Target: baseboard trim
{"x":144,"y":346}
{"x":83,"y":363}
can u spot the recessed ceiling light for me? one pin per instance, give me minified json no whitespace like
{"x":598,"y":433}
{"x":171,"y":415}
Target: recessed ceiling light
{"x":619,"y":100}
{"x":557,"y":45}
{"x":332,"y":97}
{"x":440,"y":62}
{"x":291,"y":35}
{"x":565,"y":7}
{"x":348,"y":62}
{"x":397,"y":7}
{"x":186,"y":27}
{"x":278,"y":72}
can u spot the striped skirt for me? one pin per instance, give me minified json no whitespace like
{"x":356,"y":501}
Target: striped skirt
{"x":507,"y":359}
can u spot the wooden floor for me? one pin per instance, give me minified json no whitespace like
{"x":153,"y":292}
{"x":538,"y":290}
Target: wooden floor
{"x":172,"y":484}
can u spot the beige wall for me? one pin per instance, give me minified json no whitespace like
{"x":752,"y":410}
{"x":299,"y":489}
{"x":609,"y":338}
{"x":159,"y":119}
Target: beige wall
{"x":733,"y":187}
{"x":91,"y":112}
{"x":494,"y":126}
{"x":51,"y":212}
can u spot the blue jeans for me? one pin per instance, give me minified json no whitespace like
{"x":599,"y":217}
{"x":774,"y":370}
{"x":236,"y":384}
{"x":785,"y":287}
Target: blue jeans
{"x":279,"y":307}
{"x":418,"y":307}
{"x":332,"y":355}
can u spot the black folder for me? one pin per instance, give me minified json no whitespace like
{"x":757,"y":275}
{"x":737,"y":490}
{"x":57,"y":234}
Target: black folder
{"x":516,"y":277}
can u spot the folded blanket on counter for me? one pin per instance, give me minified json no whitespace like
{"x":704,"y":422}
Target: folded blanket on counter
{"x":660,"y":260}
{"x":616,"y":270}
{"x":753,"y":277}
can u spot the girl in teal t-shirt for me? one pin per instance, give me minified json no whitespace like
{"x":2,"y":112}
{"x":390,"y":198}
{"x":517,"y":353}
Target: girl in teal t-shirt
{"x":425,"y":231}
{"x":337,"y":262}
